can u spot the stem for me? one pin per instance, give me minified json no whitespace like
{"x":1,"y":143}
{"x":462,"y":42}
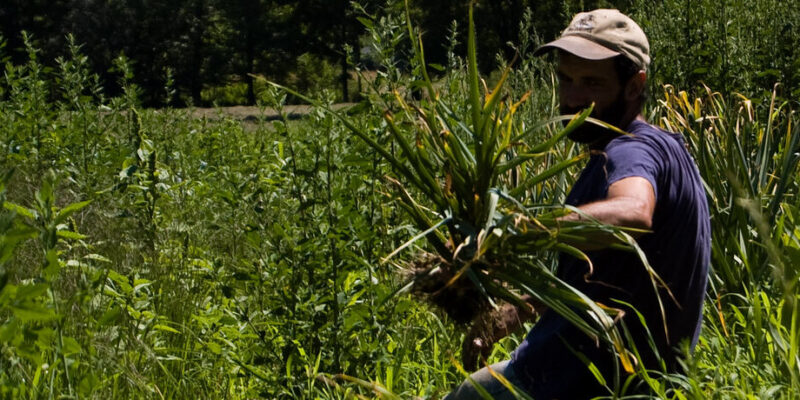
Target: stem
{"x":334,"y":254}
{"x":59,"y":328}
{"x":343,"y":60}
{"x":687,"y":40}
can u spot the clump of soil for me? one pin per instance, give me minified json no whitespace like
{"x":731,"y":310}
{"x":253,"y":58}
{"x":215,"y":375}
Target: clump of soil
{"x":489,"y":327}
{"x":463,"y":303}
{"x":459,"y":299}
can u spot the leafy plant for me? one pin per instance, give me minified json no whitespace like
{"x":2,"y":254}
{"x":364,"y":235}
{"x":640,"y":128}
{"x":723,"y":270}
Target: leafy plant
{"x":462,"y":174}
{"x":747,"y":155}
{"x":743,"y":151}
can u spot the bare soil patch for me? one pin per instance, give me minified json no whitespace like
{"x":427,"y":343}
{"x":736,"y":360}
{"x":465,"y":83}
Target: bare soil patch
{"x":252,"y":113}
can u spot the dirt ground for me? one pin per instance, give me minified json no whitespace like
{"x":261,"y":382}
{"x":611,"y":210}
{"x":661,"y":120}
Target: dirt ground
{"x":251,"y":113}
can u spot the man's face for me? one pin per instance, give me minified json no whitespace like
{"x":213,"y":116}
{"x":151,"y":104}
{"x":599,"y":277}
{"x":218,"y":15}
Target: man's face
{"x":582,"y":82}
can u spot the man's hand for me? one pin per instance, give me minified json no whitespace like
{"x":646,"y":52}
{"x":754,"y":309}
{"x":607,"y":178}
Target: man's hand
{"x":490,"y":327}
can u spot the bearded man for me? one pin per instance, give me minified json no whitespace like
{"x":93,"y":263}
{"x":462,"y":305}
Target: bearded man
{"x":645,"y":179}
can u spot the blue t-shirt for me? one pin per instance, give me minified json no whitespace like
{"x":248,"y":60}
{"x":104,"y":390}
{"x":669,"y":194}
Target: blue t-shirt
{"x":678,"y":249}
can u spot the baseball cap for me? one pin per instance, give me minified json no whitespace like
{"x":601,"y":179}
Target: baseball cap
{"x":602,"y":34}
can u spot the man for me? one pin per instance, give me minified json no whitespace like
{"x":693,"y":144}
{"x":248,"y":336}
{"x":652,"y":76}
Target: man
{"x":645,"y":179}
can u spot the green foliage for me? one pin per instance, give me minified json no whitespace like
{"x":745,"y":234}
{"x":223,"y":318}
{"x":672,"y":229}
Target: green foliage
{"x":209,"y":252}
{"x":313,"y":73}
{"x":462,"y":171}
{"x":747,"y":154}
{"x":730,"y":45}
{"x":228,"y":95}
{"x":310,"y":73}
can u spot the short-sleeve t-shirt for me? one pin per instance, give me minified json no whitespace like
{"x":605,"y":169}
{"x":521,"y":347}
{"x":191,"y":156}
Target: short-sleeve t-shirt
{"x":678,"y":249}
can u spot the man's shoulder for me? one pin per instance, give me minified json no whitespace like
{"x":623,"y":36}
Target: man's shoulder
{"x":641,"y":128}
{"x":650,"y":152}
{"x":644,"y":133}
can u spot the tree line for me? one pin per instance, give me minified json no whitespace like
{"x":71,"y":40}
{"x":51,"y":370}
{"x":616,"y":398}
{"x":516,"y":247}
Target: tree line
{"x":194,"y":45}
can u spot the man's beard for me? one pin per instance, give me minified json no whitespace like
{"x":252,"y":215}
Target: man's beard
{"x":588,"y":132}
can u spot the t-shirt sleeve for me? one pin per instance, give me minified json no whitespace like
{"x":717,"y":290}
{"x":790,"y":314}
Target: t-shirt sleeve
{"x":631,"y":156}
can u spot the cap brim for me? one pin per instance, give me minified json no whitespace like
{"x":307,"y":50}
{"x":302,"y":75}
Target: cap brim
{"x":583,"y":48}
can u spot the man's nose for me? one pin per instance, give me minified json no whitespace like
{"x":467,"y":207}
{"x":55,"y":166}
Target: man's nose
{"x":573,"y":98}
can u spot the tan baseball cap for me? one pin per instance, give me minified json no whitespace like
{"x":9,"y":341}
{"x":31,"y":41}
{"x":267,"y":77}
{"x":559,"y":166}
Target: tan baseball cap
{"x":602,"y":34}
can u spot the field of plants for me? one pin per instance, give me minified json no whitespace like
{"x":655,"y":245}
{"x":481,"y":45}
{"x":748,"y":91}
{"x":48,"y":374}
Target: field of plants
{"x":152,"y":254}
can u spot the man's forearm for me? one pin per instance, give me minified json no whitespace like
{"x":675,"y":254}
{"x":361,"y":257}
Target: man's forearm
{"x":628,"y":212}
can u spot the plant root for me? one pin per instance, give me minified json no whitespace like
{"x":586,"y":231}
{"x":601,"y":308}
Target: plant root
{"x":460,"y":299}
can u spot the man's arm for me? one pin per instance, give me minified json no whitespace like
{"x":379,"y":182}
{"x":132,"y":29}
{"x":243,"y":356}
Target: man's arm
{"x":630,"y":203}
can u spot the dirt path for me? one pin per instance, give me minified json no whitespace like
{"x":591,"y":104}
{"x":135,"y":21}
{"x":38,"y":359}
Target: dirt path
{"x":251,"y":113}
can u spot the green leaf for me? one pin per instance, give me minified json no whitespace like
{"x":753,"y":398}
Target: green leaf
{"x":165,"y":328}
{"x":574,"y":122}
{"x":26,"y":212}
{"x":472,"y":68}
{"x":28,"y":292}
{"x":30,"y":312}
{"x":70,"y":235}
{"x":550,"y":172}
{"x":415,"y":238}
{"x":366,"y":22}
{"x":10,"y":330}
{"x":70,"y":346}
{"x":110,"y":317}
{"x":65,"y":212}
{"x":128,"y":171}
{"x":52,"y":265}
{"x":97,"y":257}
{"x":120,"y":280}
{"x":214,"y":347}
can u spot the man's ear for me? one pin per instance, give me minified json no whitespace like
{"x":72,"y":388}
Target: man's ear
{"x":635,"y":86}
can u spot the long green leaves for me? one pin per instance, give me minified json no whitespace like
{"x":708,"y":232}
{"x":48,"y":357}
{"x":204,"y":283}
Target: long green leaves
{"x":461,"y":169}
{"x":748,"y":156}
{"x":742,"y":152}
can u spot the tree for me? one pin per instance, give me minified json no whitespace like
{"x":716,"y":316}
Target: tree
{"x":260,"y":34}
{"x":329,"y":27}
